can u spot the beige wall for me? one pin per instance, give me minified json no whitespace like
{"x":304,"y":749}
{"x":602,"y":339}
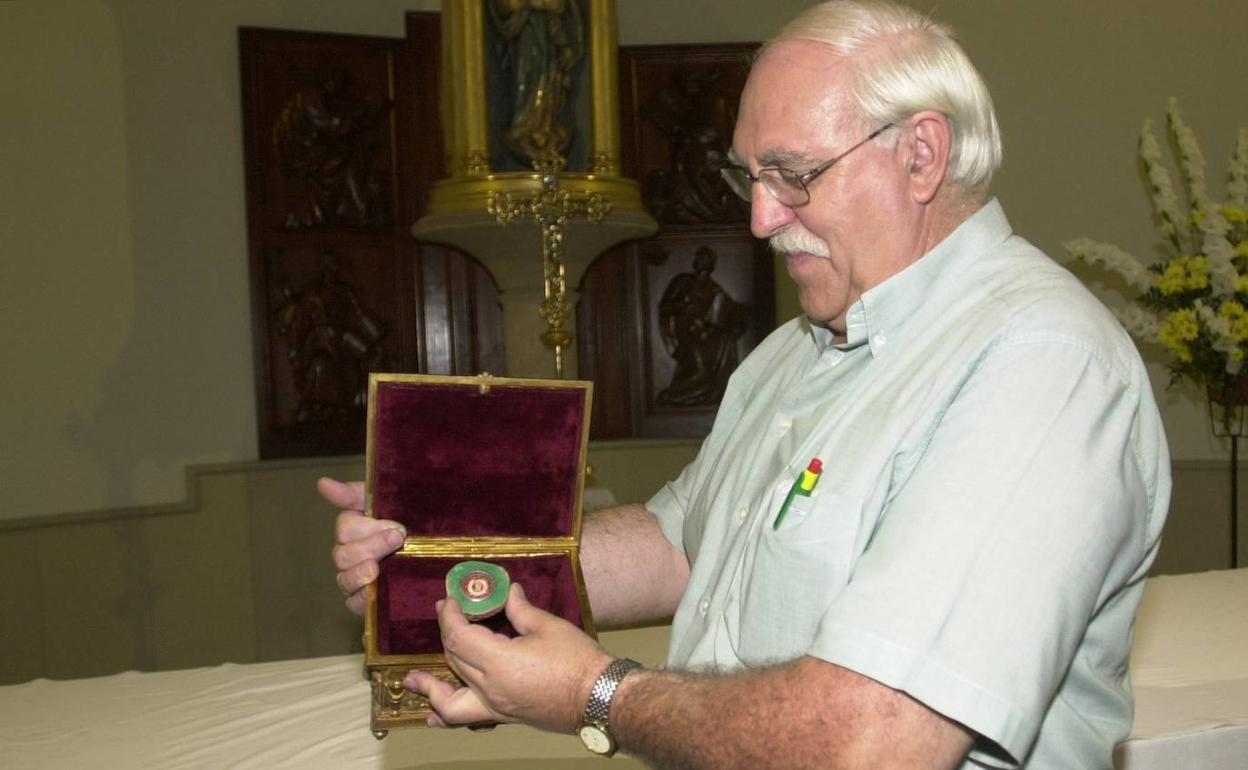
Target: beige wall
{"x":122,"y":226}
{"x":240,"y":572}
{"x":66,"y":251}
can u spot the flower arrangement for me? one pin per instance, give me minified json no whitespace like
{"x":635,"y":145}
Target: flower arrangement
{"x":1194,"y":301}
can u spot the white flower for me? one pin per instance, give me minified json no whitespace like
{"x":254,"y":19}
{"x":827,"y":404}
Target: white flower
{"x":1138,"y":322}
{"x":1218,"y":249}
{"x":1191,"y":160}
{"x":1171,"y":221}
{"x":1188,"y":301}
{"x":1114,"y":259}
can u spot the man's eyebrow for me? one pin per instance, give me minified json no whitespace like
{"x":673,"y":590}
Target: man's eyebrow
{"x":783,"y":158}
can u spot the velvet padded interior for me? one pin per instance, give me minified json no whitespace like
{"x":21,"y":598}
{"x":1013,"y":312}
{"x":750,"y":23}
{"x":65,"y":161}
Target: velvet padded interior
{"x":407,"y":623}
{"x":449,"y":461}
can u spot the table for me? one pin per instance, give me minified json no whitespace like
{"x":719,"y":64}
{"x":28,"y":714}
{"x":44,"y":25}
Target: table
{"x":1189,"y":667}
{"x":1189,"y":662}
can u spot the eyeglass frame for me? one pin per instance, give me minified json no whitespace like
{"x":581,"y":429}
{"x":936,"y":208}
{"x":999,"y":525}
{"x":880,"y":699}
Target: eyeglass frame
{"x":802,"y":180}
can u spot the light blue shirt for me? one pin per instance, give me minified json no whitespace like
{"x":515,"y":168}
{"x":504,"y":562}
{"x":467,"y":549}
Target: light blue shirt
{"x":995,"y":483}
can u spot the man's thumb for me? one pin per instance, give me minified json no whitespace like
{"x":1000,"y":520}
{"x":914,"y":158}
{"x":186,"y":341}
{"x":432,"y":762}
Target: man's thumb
{"x":524,"y":616}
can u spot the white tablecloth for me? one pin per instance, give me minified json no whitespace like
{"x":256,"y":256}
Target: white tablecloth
{"x":299,"y":713}
{"x":1190,"y":669}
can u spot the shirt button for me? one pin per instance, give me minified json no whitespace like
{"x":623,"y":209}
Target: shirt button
{"x":704,"y":606}
{"x":743,"y":514}
{"x":784,"y":425}
{"x":880,"y":339}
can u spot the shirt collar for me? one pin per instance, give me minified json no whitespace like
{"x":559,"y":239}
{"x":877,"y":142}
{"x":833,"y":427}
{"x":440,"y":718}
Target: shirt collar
{"x":885,"y":308}
{"x":855,"y":331}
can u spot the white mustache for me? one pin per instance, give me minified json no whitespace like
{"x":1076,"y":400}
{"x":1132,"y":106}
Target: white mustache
{"x":796,"y":239}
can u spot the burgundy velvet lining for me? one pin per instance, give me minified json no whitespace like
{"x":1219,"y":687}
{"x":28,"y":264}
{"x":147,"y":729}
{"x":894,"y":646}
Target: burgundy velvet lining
{"x":450,"y":461}
{"x":407,"y":623}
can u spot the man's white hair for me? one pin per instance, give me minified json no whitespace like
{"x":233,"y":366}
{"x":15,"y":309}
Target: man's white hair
{"x":903,"y":63}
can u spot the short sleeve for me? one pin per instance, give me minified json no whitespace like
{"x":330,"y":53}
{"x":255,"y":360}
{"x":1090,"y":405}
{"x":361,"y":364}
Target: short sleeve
{"x":1024,"y":516}
{"x":670,"y":503}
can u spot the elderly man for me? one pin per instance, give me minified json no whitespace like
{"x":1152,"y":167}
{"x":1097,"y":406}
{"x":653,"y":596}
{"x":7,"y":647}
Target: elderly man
{"x":959,"y":586}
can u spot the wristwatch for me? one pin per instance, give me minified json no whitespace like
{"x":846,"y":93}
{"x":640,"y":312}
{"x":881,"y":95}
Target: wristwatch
{"x":594,"y":733}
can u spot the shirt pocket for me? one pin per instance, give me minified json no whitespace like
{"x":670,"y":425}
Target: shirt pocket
{"x":793,"y":573}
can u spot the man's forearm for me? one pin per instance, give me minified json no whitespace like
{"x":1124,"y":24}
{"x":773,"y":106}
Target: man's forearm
{"x":632,"y":572}
{"x":802,"y":714}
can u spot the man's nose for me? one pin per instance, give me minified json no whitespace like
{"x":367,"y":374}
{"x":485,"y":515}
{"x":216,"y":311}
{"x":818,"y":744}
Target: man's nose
{"x":767,"y":215}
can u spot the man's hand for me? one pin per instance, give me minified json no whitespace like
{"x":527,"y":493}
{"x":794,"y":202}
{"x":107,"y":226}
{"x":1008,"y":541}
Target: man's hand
{"x":541,"y":677}
{"x":362,"y":541}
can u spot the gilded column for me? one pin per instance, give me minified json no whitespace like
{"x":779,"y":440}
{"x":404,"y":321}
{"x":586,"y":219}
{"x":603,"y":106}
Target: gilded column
{"x":604,"y":65}
{"x":466,"y":124}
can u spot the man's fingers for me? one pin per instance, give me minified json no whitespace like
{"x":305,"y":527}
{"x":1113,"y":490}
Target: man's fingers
{"x":452,"y":705}
{"x":462,"y":642}
{"x":354,"y":578}
{"x":342,"y":494}
{"x":470,"y":674}
{"x":353,"y":525}
{"x":357,"y":603}
{"x":524,"y":617}
{"x":364,"y":539}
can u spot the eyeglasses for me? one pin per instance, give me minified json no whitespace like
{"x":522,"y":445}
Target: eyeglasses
{"x":787,"y":186}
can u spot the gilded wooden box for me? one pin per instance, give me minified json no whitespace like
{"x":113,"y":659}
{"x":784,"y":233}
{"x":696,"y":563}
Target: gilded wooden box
{"x":482,"y":468}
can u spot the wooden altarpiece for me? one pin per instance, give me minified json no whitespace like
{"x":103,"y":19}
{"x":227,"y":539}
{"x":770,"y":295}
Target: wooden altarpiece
{"x":342,"y":143}
{"x":685,"y":306}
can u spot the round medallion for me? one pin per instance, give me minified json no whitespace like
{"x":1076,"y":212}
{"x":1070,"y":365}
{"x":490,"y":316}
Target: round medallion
{"x":479,"y":587}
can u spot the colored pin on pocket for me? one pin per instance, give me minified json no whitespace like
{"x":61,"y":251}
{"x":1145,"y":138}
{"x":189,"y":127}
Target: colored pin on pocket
{"x":803,"y":485}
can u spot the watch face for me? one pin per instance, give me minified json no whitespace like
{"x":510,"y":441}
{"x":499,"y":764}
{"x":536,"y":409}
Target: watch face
{"x":596,"y":739}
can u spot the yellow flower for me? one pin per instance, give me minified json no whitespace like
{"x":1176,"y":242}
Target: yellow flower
{"x":1234,"y":214}
{"x":1184,"y":274}
{"x":1241,"y":250}
{"x":1241,"y":284}
{"x":1234,"y":314}
{"x":1198,"y":216}
{"x":1177,"y":329}
{"x":1197,"y":273}
{"x":1173,"y":279}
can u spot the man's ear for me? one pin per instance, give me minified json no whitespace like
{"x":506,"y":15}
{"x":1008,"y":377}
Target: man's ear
{"x":929,"y":154}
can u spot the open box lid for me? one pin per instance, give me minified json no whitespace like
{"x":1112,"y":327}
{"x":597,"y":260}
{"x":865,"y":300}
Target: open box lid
{"x":477,"y":457}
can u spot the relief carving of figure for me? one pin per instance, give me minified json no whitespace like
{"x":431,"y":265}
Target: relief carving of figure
{"x":545,"y":39}
{"x":325,"y":144}
{"x":334,"y":343}
{"x":700,"y":325}
{"x":697,"y":120}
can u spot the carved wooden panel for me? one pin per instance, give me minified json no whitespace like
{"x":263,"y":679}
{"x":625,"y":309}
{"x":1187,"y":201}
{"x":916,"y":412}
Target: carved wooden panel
{"x":680,"y":120}
{"x":325,"y":114}
{"x":341,"y":143}
{"x":665,"y":321}
{"x":330,"y":332}
{"x":705,"y":302}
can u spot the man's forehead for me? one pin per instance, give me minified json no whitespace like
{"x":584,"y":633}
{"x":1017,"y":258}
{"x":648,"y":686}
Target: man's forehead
{"x":794,"y":107}
{"x":792,"y":139}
